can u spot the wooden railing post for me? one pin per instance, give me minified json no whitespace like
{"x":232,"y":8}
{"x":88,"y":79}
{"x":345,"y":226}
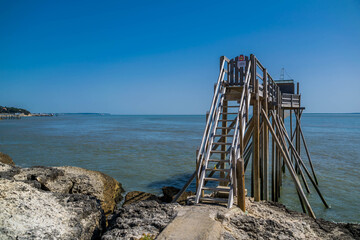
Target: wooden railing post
{"x":265,"y":139}
{"x":297,"y":129}
{"x":256,"y":140}
{"x":240,"y":174}
{"x":253,"y":70}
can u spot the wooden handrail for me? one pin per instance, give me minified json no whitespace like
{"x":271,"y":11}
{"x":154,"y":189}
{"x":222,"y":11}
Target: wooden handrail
{"x":208,"y":121}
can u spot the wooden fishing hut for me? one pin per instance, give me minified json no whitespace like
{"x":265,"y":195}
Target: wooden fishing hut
{"x":246,"y":131}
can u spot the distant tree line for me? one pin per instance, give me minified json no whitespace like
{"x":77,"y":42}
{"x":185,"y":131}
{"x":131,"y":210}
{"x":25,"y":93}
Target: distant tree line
{"x":13,"y":110}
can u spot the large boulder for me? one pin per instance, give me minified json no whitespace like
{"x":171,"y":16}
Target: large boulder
{"x":134,"y":220}
{"x":98,"y":184}
{"x":4,"y":158}
{"x":30,"y":213}
{"x":74,"y":180}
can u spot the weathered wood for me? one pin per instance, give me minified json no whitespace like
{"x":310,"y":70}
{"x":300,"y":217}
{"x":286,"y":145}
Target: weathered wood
{"x":297,"y":155}
{"x":236,"y":80}
{"x":247,"y":154}
{"x":291,"y":127}
{"x":281,"y":126}
{"x":273,"y":167}
{"x":288,"y":164}
{"x":178,"y":195}
{"x":224,"y":132}
{"x":256,"y":140}
{"x":240,"y":174}
{"x":307,"y":153}
{"x":265,"y":140}
{"x":216,"y":146}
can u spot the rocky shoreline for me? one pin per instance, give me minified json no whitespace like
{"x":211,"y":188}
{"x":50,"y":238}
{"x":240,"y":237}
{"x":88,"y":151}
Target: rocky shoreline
{"x":75,"y":203}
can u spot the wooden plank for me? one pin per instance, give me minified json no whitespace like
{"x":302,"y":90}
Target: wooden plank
{"x":178,"y":195}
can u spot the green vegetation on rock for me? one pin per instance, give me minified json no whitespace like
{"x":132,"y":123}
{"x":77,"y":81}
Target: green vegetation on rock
{"x":13,"y":110}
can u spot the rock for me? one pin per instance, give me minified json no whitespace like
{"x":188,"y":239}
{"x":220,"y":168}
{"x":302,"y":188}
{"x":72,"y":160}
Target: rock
{"x":4,"y":158}
{"x":267,"y":220}
{"x":263,"y":220}
{"x":8,"y":171}
{"x":170,"y":192}
{"x":98,"y":184}
{"x":30,"y":213}
{"x":137,"y":196}
{"x":74,"y":180}
{"x":134,"y":220}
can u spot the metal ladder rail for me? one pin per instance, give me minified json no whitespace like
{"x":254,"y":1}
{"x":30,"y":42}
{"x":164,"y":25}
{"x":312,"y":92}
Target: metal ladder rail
{"x":211,"y":115}
{"x":202,"y":168}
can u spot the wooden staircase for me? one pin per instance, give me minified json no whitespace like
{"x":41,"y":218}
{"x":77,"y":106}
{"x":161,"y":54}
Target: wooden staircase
{"x":222,"y":141}
{"x":231,"y":141}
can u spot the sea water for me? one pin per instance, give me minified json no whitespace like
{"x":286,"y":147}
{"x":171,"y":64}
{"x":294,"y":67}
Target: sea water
{"x":145,"y":153}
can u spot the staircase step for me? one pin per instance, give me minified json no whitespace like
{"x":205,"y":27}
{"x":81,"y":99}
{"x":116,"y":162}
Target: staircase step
{"x":231,"y":106}
{"x":217,"y":179}
{"x":224,"y":127}
{"x":218,"y":151}
{"x":217,"y":200}
{"x":221,"y":143}
{"x":218,"y":160}
{"x":227,"y":113}
{"x":217,"y":189}
{"x":219,"y":135}
{"x":218,"y":170}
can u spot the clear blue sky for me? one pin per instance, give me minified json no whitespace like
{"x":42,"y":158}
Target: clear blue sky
{"x":161,"y":57}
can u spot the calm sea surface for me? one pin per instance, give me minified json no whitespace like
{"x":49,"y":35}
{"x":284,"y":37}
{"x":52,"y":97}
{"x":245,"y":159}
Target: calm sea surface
{"x":146,"y":153}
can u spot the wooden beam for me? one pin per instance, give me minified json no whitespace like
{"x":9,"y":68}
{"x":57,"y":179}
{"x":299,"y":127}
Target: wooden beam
{"x":273,"y":167}
{"x":292,"y":173}
{"x":280,"y":125}
{"x":240,"y":174}
{"x":265,"y":139}
{"x":256,"y":141}
{"x":297,"y":155}
{"x":307,"y":153}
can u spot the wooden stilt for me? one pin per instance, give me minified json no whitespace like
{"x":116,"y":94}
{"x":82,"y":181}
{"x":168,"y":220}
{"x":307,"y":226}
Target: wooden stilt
{"x":273,"y":166}
{"x":292,"y":173}
{"x":256,"y":140}
{"x":291,"y":127}
{"x":281,"y":126}
{"x":307,"y":172}
{"x":265,"y":138}
{"x":307,"y":152}
{"x":240,"y":174}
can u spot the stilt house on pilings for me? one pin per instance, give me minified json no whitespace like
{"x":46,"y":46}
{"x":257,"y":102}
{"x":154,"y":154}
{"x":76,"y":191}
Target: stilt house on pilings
{"x":245,"y":130}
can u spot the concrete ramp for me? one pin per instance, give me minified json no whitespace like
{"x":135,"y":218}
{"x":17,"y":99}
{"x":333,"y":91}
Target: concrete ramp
{"x":194,"y":222}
